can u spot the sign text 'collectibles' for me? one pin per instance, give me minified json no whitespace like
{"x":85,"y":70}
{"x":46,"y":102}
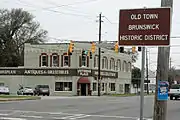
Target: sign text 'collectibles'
{"x":144,"y":27}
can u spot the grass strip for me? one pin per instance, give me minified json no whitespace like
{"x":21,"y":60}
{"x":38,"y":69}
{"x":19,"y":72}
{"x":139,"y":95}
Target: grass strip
{"x":18,"y":98}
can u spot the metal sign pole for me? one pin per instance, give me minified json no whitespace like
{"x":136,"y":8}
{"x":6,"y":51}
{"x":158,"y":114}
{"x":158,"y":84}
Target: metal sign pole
{"x":142,"y":83}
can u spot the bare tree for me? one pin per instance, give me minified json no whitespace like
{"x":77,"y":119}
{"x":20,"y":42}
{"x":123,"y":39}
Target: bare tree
{"x":16,"y":28}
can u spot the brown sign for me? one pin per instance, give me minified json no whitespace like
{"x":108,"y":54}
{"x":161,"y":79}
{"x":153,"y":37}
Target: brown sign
{"x":56,"y":71}
{"x":22,"y":71}
{"x":109,"y":74}
{"x":144,"y":27}
{"x":84,"y":72}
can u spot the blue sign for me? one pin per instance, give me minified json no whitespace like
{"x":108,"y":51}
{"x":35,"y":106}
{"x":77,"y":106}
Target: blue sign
{"x":163,"y":90}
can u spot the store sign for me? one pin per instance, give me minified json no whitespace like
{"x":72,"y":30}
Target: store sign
{"x":83,"y":72}
{"x":144,"y":27}
{"x":44,"y":72}
{"x":53,"y":71}
{"x":22,"y":71}
{"x":106,"y":74}
{"x":9,"y":72}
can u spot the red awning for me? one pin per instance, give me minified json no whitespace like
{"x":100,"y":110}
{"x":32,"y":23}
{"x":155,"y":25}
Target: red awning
{"x":83,"y":80}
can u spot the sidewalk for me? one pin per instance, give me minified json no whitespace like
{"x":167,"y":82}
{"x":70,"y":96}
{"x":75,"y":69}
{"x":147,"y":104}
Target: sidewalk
{"x":67,"y":97}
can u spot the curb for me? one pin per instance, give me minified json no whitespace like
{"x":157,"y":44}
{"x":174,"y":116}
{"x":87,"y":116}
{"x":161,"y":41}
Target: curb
{"x":126,"y":95}
{"x":18,"y":99}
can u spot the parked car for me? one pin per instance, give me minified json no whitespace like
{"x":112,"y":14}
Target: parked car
{"x":4,"y":90}
{"x":25,"y":91}
{"x":42,"y":90}
{"x":174,"y":91}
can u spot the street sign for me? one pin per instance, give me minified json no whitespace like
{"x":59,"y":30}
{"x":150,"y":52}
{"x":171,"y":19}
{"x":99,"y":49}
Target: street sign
{"x":163,"y":90}
{"x":144,"y":27}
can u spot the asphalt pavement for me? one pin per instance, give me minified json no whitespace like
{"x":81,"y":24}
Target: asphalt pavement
{"x":83,"y":108}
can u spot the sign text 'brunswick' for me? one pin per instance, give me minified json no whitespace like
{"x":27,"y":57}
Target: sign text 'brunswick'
{"x":144,"y":26}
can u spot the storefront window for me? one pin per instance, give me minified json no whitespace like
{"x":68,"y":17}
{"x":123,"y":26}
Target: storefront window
{"x":63,"y":86}
{"x":102,"y":87}
{"x":94,"y":86}
{"x":112,"y":86}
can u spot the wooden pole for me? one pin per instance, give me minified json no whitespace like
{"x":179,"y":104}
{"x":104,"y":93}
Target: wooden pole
{"x":160,"y":107}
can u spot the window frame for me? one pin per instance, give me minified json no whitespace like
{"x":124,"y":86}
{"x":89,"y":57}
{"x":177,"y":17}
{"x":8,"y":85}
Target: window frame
{"x":96,"y":58}
{"x":94,"y":86}
{"x":104,"y":63}
{"x":52,"y":60}
{"x":64,"y":60}
{"x":124,"y":66}
{"x":54,"y":63}
{"x":112,"y":64}
{"x":129,"y":66}
{"x":102,"y":86}
{"x":85,"y":61}
{"x":41,"y":60}
{"x":118,"y":64}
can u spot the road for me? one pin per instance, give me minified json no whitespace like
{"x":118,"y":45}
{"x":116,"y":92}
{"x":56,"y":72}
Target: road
{"x":83,"y":108}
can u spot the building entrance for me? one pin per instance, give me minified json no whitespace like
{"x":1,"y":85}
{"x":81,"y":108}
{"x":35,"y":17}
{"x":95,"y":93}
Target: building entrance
{"x":83,"y":87}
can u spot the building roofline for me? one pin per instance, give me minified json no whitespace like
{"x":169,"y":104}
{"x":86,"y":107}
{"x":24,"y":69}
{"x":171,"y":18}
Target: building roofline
{"x":55,"y":43}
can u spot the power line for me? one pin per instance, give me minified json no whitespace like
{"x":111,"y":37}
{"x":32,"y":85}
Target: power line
{"x":63,"y":6}
{"x":80,"y":2}
{"x":109,"y":20}
{"x":66,"y":6}
{"x":55,"y":11}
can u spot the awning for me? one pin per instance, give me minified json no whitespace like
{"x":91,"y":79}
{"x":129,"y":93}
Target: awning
{"x":83,"y":80}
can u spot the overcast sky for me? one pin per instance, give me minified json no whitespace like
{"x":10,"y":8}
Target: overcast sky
{"x":77,"y":20}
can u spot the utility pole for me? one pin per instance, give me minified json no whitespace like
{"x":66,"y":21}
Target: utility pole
{"x":147,"y":71}
{"x":99,"y":58}
{"x":160,"y":107}
{"x":142,"y":84}
{"x":170,"y":60}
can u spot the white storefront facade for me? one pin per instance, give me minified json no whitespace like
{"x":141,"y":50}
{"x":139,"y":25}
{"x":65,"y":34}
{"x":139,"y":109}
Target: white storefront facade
{"x":69,"y":74}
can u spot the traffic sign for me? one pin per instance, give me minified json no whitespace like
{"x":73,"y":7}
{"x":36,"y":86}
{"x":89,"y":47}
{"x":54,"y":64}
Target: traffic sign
{"x":144,"y":27}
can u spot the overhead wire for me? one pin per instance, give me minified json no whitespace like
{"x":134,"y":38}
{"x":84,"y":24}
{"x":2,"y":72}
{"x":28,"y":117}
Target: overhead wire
{"x":65,"y":5}
{"x":109,"y":20}
{"x":50,"y":10}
